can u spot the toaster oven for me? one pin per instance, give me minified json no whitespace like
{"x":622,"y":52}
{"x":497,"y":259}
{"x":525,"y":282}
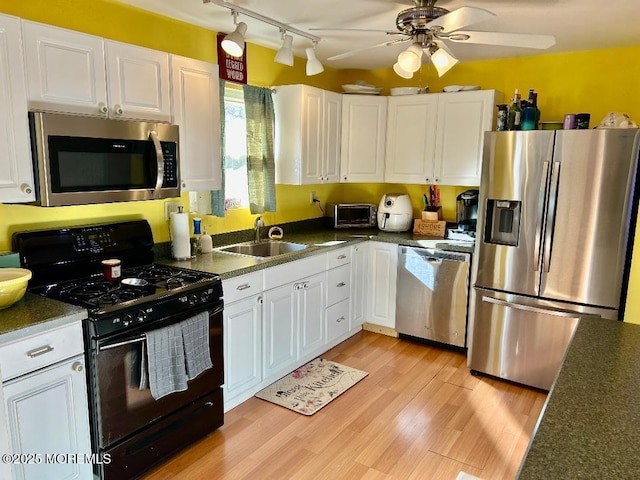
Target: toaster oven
{"x":352,"y":215}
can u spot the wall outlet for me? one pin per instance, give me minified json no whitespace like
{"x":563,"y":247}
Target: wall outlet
{"x":312,"y":198}
{"x":169,"y":208}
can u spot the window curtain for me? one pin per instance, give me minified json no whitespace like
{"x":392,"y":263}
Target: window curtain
{"x":217,"y":196}
{"x":261,"y":170}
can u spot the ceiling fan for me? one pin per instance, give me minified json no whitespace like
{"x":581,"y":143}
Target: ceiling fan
{"x":427,"y":27}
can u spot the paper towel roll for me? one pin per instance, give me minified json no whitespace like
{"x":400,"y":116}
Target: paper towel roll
{"x":180,"y":238}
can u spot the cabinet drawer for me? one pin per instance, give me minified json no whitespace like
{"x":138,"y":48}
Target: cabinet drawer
{"x":338,"y":284}
{"x":40,"y":350}
{"x":241,"y":287}
{"x":339,"y":257}
{"x":337,"y":320}
{"x":292,"y":271}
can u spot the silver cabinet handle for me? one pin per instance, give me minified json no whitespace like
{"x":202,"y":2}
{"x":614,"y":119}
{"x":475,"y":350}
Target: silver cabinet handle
{"x":77,"y":367}
{"x":341,"y":319}
{"x":528,"y":308}
{"x":102,"y":108}
{"x":342,"y":257}
{"x":36,"y":352}
{"x":260,"y":299}
{"x":341,"y":284}
{"x":26,"y":189}
{"x":244,"y":286}
{"x":153,"y":136}
{"x":118,"y":110}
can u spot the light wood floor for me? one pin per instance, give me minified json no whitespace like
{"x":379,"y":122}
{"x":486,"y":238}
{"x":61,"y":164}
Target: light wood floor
{"x":419,"y":414}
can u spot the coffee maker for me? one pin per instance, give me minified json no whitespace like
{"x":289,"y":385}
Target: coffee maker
{"x":467,"y":210}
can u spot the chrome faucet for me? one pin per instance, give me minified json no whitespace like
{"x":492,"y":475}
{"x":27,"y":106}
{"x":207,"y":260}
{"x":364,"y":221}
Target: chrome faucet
{"x":259,"y":223}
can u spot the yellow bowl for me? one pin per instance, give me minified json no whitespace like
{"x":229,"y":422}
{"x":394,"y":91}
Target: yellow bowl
{"x":13,"y":285}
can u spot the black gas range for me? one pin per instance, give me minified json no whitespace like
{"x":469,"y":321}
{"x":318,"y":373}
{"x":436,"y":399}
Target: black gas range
{"x":135,"y":427}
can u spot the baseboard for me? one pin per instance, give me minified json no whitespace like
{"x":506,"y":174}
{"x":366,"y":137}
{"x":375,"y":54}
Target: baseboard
{"x":370,"y":327}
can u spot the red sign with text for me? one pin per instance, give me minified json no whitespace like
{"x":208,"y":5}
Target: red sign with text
{"x":232,"y":69}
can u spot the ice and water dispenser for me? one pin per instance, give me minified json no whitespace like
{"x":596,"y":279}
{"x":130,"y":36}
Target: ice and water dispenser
{"x":502,"y":225}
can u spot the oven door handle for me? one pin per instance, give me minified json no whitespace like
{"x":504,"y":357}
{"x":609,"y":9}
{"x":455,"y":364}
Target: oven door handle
{"x":109,"y":346}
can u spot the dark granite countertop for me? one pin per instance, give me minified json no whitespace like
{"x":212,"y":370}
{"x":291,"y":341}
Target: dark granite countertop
{"x":228,"y":266}
{"x":34,"y":314}
{"x":590,"y":425}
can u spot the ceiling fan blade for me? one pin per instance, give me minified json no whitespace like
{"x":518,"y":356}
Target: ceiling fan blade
{"x":460,"y":18}
{"x":507,"y":39}
{"x":358,"y":50}
{"x":370,"y":30}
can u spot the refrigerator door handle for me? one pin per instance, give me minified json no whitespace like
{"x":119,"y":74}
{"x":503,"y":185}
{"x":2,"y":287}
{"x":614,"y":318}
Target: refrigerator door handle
{"x":529,"y":308}
{"x":551,"y":215}
{"x":540,"y":215}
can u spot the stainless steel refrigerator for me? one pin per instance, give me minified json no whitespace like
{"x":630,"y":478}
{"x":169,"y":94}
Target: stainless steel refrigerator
{"x":555,"y":222}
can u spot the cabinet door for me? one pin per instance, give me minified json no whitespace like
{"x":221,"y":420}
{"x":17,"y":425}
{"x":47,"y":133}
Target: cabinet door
{"x":16,"y":171}
{"x":332,"y":134}
{"x":280,"y":331}
{"x":196,"y":103}
{"x":47,"y":413}
{"x":65,"y":70}
{"x":411,"y":130}
{"x":383,"y":262}
{"x":242,"y":346}
{"x":138,"y":82}
{"x":310,"y":294}
{"x":463,"y":118}
{"x":312,"y":135}
{"x":359,"y":285}
{"x":364,"y":123}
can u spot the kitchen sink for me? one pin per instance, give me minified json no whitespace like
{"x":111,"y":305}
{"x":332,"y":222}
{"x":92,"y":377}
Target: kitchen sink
{"x":263,"y":249}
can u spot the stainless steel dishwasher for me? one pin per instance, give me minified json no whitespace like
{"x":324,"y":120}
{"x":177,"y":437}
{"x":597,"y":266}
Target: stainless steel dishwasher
{"x":432,"y":295}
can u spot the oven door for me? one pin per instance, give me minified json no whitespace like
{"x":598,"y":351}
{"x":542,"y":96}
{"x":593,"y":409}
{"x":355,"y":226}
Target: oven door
{"x":122,"y":407}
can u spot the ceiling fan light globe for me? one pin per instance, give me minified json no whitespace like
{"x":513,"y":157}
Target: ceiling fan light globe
{"x":285,"y":54}
{"x":411,"y":59}
{"x":402,"y":72}
{"x":443,"y":61}
{"x":314,"y":66}
{"x":233,"y":43}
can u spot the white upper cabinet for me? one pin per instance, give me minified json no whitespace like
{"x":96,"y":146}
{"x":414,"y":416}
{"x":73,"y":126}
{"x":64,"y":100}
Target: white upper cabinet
{"x":72,"y":72}
{"x":438,"y":138}
{"x":411,"y":127}
{"x":196,"y":106}
{"x":138,"y":82}
{"x":364,"y":123}
{"x":16,"y":171}
{"x":307,"y":135}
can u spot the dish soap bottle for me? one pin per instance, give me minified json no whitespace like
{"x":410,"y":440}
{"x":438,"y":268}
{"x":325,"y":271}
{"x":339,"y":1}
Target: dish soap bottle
{"x":206,"y":243}
{"x":195,"y":240}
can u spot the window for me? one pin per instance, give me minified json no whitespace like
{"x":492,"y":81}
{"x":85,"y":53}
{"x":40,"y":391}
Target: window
{"x":236,"y":191}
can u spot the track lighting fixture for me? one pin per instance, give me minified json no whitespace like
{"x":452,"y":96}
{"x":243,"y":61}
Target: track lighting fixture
{"x":285,"y":54}
{"x":233,"y":43}
{"x":313,"y":64}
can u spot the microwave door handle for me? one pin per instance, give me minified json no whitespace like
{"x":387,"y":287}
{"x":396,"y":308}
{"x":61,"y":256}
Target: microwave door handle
{"x":153,"y":136}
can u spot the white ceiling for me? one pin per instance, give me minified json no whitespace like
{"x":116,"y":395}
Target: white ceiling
{"x":576,"y":24}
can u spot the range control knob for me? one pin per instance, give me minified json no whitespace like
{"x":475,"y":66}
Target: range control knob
{"x":127,"y":320}
{"x":204,"y":297}
{"x":142,"y":316}
{"x":192,"y":299}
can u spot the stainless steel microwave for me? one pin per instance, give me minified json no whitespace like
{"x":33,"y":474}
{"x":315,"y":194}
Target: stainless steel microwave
{"x":80,"y":160}
{"x":352,"y":215}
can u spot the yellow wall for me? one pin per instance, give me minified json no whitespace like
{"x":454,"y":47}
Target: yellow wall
{"x":593,"y":81}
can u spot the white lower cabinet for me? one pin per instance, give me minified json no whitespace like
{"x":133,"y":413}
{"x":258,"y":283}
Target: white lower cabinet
{"x":383,"y":263}
{"x":311,"y":315}
{"x":280,"y":330}
{"x":242,"y":346}
{"x":359,"y":275}
{"x":271,"y":328}
{"x":46,"y":413}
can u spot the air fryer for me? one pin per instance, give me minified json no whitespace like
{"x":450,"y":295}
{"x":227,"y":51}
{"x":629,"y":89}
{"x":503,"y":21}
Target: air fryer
{"x":467,"y":210}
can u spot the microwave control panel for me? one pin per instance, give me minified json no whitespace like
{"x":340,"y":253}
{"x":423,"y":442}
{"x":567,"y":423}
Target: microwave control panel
{"x":170,"y":178}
